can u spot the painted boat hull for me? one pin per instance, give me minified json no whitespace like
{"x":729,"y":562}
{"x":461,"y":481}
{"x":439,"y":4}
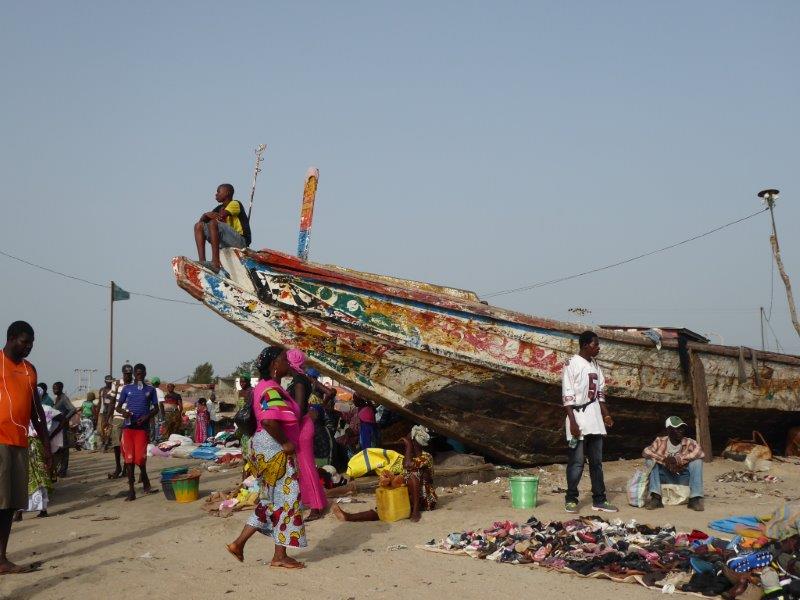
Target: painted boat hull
{"x":485,"y":376}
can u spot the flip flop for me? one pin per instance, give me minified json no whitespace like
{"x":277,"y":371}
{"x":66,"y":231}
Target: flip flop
{"x":239,"y":557}
{"x":294,"y":565}
{"x":749,"y":562}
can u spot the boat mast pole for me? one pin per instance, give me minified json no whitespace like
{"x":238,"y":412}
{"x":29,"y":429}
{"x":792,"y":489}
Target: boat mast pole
{"x":259,"y":159}
{"x":769,"y":196}
{"x":761,"y":321}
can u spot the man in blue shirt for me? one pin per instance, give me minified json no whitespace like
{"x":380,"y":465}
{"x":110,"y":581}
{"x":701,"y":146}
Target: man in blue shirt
{"x":138,"y":403}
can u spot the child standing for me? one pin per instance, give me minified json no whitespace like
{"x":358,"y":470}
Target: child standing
{"x":201,"y":421}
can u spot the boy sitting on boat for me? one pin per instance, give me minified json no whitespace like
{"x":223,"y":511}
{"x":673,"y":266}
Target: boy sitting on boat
{"x":226,"y":226}
{"x":675,"y":459}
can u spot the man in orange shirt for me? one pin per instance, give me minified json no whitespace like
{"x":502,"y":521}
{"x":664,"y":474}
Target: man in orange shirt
{"x":19,"y":406}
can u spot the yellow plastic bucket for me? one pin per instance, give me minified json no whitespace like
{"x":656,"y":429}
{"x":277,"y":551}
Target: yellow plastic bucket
{"x":393,"y":503}
{"x":524,"y":491}
{"x":186,"y":487}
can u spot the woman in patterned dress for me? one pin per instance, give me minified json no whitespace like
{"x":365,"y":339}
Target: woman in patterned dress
{"x":272,"y":458}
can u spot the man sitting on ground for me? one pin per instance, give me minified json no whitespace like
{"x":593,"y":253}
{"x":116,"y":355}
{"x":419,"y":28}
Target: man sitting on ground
{"x":226,"y":226}
{"x":675,"y":459}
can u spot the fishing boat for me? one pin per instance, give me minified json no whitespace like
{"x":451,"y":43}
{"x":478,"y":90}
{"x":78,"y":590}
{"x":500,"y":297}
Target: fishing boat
{"x":485,"y":376}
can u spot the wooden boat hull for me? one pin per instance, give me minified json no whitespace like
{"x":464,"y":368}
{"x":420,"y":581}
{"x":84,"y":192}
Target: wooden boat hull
{"x":487,"y":377}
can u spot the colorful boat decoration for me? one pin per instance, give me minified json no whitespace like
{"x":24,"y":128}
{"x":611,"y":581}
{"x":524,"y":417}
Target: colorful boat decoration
{"x":489,"y":377}
{"x":307,"y":212}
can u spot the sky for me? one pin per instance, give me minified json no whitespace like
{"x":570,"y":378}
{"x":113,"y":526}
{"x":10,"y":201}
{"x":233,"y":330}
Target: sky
{"x":480,"y":145}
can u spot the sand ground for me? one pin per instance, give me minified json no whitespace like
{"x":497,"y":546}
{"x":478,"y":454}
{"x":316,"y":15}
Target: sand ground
{"x":94,"y":545}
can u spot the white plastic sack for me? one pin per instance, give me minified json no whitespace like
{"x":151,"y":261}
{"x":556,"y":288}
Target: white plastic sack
{"x":181,"y":439}
{"x":674,"y":494}
{"x":637,"y":487}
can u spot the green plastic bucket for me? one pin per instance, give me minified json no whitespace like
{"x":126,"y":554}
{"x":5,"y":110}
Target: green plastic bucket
{"x":524,"y":490}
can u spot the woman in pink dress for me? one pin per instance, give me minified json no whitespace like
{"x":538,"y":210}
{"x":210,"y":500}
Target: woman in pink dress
{"x":201,"y":421}
{"x":273,"y":461}
{"x":312,"y":491}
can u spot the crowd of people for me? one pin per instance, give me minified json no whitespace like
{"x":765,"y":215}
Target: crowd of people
{"x":295,"y":440}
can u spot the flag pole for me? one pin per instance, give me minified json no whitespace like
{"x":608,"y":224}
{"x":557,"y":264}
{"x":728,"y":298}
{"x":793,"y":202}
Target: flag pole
{"x":111,"y":334}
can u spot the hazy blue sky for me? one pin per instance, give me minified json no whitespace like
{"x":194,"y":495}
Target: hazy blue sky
{"x":481,"y":145}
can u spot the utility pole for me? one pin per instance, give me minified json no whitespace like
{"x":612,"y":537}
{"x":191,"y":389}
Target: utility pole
{"x":111,"y":331}
{"x":769,"y":196}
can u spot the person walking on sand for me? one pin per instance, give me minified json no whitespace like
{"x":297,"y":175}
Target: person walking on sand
{"x":115,"y":420}
{"x":226,"y":226}
{"x":19,"y":406}
{"x":272,"y":456}
{"x":141,"y":402}
{"x":583,"y":391}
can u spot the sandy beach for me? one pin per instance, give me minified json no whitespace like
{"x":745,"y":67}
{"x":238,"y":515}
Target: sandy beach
{"x":93,"y":542}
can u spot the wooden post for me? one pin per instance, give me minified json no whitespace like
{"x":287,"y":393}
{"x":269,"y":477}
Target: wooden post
{"x":697,"y":375}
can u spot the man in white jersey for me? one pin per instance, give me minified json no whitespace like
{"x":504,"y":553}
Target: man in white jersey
{"x":583,"y":392}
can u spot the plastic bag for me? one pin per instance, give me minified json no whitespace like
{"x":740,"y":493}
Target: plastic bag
{"x":637,"y":487}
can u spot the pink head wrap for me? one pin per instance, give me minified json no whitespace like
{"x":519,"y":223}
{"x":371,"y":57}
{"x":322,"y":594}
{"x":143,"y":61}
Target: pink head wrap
{"x":296,"y":360}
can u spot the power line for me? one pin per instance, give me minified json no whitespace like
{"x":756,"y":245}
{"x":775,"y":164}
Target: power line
{"x":622,"y":262}
{"x":777,"y":342}
{"x":94,"y":283}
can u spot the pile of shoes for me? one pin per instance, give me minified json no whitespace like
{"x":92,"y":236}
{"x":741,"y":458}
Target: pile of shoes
{"x":658,"y":557}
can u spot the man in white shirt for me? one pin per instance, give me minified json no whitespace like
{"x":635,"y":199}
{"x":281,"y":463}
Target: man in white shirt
{"x":583,"y":392}
{"x":116,"y":419}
